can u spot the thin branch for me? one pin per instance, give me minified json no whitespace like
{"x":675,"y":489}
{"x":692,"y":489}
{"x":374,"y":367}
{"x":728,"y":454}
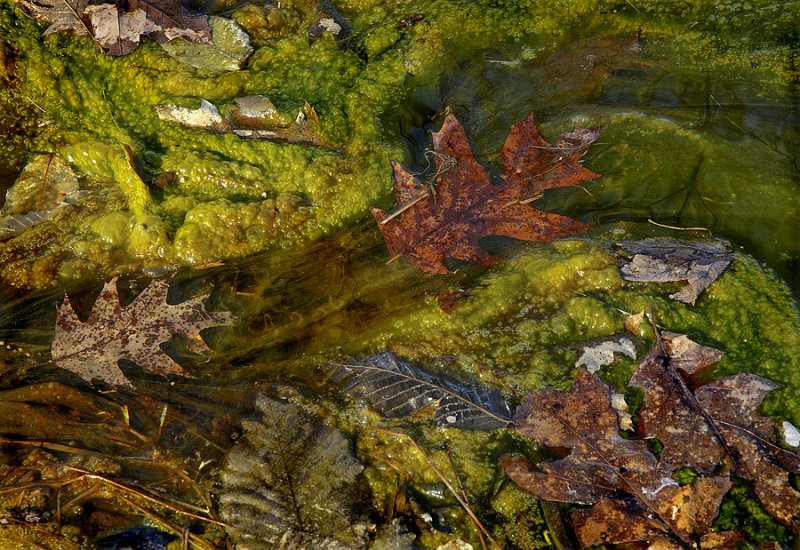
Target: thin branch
{"x":464,"y":504}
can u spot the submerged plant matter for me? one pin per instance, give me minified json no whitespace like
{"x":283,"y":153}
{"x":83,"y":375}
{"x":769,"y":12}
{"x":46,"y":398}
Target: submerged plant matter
{"x":92,"y":349}
{"x":398,"y":388}
{"x":45,"y":185}
{"x":291,"y":482}
{"x":447,"y":221}
{"x":635,"y":493}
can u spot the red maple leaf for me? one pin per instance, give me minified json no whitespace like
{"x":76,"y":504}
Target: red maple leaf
{"x":430,"y":225}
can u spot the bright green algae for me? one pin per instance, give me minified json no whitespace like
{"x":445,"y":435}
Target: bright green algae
{"x":520,"y":326}
{"x":231,"y":197}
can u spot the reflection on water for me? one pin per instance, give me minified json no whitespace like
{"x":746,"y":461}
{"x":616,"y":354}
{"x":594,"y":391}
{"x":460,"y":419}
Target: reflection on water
{"x":682,"y":146}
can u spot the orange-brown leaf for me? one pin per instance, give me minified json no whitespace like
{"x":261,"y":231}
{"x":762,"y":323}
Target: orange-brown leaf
{"x":448,"y":222}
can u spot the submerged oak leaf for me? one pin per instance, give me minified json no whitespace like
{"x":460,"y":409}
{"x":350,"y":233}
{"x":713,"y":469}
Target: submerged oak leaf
{"x":135,"y":332}
{"x":448,"y":222}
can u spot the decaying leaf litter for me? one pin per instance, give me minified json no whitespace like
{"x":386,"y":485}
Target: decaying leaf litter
{"x":121,"y":39}
{"x":464,"y":398}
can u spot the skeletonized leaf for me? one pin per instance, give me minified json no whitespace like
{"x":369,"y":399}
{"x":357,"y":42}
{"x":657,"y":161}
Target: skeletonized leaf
{"x":289,"y":482}
{"x":668,"y":260}
{"x":398,"y":388}
{"x":135,"y":332}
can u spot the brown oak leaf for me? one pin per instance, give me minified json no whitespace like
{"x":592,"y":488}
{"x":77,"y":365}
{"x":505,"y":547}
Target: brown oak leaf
{"x":602,"y":465}
{"x":448,"y":222}
{"x":719,"y":419}
{"x":714,"y":429}
{"x":135,"y":332}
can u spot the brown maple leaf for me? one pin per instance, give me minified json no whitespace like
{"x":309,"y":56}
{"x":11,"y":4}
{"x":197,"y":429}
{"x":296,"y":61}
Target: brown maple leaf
{"x":465,"y":206}
{"x":135,"y":332}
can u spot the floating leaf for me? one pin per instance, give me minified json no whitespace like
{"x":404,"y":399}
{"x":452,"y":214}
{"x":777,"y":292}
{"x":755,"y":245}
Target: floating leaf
{"x":668,"y":260}
{"x":635,"y":495}
{"x":636,"y":498}
{"x":289,"y":482}
{"x":732,"y":404}
{"x":45,"y":184}
{"x":228,"y":51}
{"x":397,"y":388}
{"x":467,"y":206}
{"x":135,"y":332}
{"x":600,"y":354}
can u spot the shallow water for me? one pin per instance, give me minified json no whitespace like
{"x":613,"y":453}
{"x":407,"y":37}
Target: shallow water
{"x":705,"y":151}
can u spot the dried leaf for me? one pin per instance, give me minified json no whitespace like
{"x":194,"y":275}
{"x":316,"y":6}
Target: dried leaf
{"x":732,"y":403}
{"x":45,"y":184}
{"x":467,"y":206}
{"x":206,"y":116}
{"x":668,"y":260}
{"x":63,"y":15}
{"x":635,"y":495}
{"x":600,"y":354}
{"x":398,"y":388}
{"x":633,"y":322}
{"x":719,"y":418}
{"x":112,"y":332}
{"x":671,"y":413}
{"x":228,"y":51}
{"x":116,"y":28}
{"x":304,"y":130}
{"x":289,"y":482}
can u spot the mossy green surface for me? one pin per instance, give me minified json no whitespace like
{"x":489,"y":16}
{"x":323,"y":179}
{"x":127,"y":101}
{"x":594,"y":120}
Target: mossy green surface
{"x":699,"y":130}
{"x":362,"y":90}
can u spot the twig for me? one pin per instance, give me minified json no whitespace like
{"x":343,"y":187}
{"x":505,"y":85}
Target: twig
{"x":464,"y":504}
{"x":679,"y":228}
{"x":160,"y":501}
{"x":463,"y":493}
{"x":688,"y":393}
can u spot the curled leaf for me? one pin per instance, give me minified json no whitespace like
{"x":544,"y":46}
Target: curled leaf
{"x":668,"y":260}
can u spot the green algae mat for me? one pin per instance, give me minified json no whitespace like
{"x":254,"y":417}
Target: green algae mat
{"x":241,"y":152}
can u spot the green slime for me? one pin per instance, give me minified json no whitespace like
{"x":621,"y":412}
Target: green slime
{"x":698,"y":131}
